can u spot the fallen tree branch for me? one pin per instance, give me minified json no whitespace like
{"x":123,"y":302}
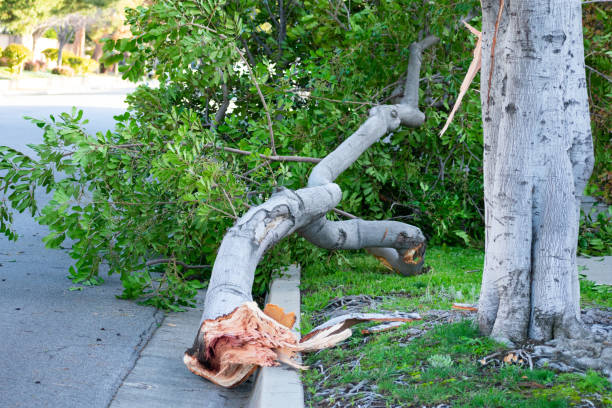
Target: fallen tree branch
{"x":299,"y":159}
{"x":234,"y":335}
{"x":175,"y":261}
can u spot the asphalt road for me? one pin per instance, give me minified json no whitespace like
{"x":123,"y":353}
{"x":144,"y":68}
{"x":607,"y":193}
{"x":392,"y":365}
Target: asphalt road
{"x":60,"y":348}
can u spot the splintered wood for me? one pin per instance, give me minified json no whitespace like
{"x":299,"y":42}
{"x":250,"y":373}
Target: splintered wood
{"x":232,"y":346}
{"x":465,"y":306}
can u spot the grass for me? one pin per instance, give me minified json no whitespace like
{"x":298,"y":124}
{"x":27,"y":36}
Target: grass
{"x":5,"y":73}
{"x":442,"y":365}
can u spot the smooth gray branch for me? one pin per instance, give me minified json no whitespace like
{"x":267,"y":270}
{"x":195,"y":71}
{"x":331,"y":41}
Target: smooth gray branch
{"x":397,"y":245}
{"x":411,"y":88}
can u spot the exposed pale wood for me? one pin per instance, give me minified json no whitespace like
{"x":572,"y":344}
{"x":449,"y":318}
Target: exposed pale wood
{"x":231,"y":346}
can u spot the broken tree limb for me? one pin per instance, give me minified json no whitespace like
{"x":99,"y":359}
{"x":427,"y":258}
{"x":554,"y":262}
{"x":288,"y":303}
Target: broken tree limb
{"x":260,"y":228}
{"x":234,"y":334}
{"x":234,"y":345}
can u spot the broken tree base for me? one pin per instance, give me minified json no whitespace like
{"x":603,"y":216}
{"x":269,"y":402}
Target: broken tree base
{"x":228,"y":349}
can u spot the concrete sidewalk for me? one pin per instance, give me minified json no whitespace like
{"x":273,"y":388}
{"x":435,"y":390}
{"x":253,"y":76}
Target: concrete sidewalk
{"x":54,"y":84}
{"x":159,"y":378}
{"x":597,"y":269}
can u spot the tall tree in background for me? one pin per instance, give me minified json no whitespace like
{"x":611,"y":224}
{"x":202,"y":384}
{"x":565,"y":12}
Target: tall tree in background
{"x":75,"y":15}
{"x":538,"y":156}
{"x":30,"y":17}
{"x":68,"y":17}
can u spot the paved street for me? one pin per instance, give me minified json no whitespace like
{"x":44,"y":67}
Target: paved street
{"x":63,"y":348}
{"x":60,"y":348}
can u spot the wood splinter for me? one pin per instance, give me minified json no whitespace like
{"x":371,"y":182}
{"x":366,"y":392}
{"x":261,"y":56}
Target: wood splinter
{"x":234,"y":345}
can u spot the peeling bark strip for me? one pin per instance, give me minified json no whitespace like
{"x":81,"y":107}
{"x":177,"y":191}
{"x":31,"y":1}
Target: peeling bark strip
{"x":234,"y":335}
{"x":538,"y":155}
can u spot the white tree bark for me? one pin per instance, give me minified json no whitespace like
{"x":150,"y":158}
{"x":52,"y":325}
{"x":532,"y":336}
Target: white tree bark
{"x":538,"y":155}
{"x":401,"y":246}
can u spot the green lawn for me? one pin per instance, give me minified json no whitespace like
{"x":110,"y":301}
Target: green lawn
{"x":6,"y":74}
{"x":440,"y":366}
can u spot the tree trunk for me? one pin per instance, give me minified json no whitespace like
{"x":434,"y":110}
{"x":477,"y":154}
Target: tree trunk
{"x":97,"y":51}
{"x":79,"y":41}
{"x":538,"y":156}
{"x":226,"y":353}
{"x":60,"y":51}
{"x":64,"y":32}
{"x":35,"y":38}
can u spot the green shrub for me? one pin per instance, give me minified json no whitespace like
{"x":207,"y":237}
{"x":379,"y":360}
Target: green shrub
{"x":50,"y":54}
{"x":65,"y":71}
{"x":16,"y":54}
{"x":81,"y":65}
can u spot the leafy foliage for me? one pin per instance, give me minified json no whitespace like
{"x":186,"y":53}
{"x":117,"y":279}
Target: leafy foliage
{"x":80,"y":65}
{"x":598,"y":60}
{"x":239,"y":74}
{"x":15,"y":55}
{"x":595,"y":237}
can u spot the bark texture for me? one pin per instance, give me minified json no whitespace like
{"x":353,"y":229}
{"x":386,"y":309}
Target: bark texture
{"x":225,"y":353}
{"x":538,"y":155}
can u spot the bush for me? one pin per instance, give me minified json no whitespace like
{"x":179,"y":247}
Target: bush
{"x":81,"y":65}
{"x":4,"y":62}
{"x":16,"y":54}
{"x":50,"y":54}
{"x":65,"y":71}
{"x":34,"y":65}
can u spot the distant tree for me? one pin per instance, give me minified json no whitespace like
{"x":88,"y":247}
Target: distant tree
{"x":30,"y":17}
{"x":110,"y":22}
{"x":75,"y":15}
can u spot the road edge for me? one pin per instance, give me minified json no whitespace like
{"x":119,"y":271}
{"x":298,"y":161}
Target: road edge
{"x":158,"y":319}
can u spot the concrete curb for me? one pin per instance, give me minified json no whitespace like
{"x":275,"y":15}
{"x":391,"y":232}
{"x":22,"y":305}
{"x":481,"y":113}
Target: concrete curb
{"x":281,"y":387}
